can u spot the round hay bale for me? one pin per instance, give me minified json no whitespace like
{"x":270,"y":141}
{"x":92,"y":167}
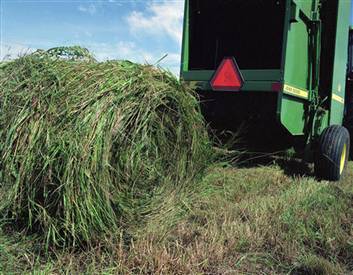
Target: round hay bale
{"x":84,"y":145}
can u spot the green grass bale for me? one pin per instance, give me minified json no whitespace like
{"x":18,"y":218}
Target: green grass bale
{"x":85,"y":145}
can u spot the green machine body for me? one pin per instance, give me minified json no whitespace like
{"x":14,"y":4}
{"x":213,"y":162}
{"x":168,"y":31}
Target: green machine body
{"x":290,"y":57}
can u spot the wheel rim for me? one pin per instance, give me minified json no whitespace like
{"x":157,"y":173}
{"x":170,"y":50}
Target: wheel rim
{"x":343,"y":158}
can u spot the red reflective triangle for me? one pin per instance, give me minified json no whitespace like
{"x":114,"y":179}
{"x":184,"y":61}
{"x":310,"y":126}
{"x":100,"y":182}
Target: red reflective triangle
{"x":227,"y":77}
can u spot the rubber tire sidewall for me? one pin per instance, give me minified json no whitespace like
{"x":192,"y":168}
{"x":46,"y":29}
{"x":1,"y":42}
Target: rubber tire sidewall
{"x":329,"y":153}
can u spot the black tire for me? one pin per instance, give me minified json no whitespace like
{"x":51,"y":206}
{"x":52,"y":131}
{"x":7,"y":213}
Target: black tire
{"x":332,"y":153}
{"x":349,"y":125}
{"x":348,"y":119}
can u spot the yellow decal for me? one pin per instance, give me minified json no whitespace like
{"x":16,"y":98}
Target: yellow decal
{"x":337,"y":98}
{"x":295,"y":91}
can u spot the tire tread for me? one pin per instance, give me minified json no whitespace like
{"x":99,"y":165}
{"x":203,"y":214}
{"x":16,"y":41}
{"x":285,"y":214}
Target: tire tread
{"x":329,"y":152}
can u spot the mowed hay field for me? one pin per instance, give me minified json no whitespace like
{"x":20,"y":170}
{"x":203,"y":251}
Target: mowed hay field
{"x":236,"y":221}
{"x":106,"y":168}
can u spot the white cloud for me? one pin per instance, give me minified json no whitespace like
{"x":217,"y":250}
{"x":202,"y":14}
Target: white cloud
{"x":124,"y":50}
{"x":159,"y":18}
{"x":128,"y":50}
{"x":90,"y":9}
{"x":11,"y":51}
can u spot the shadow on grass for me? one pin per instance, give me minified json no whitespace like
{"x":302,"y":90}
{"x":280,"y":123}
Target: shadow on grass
{"x":292,"y":167}
{"x":295,"y":167}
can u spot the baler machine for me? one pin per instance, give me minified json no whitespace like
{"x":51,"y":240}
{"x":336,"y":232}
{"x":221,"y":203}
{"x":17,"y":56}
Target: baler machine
{"x":279,"y":67}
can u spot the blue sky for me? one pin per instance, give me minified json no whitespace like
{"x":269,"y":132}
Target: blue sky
{"x":138,"y":30}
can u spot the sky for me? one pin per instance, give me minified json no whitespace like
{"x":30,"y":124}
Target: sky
{"x":139,"y":30}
